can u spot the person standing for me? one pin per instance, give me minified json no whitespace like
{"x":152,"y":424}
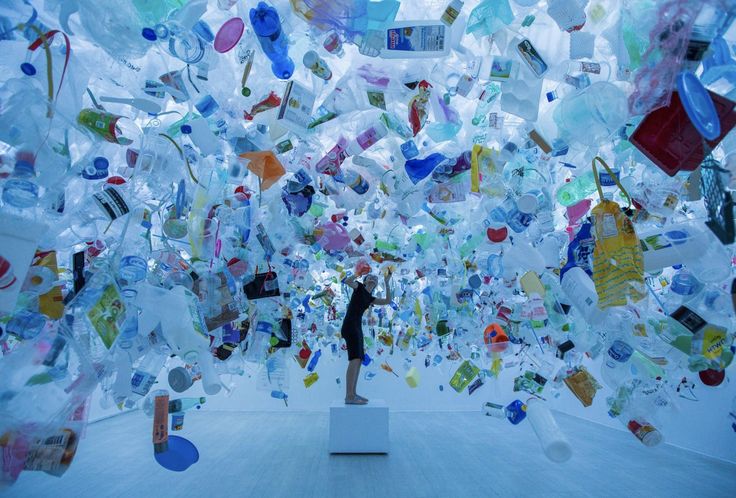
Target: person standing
{"x":352,"y":330}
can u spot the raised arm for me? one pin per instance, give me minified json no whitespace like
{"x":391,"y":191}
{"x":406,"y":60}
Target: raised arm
{"x":350,"y":281}
{"x":387,"y":283}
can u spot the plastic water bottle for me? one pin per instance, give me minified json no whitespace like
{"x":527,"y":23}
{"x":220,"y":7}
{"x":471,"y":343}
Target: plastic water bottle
{"x":615,"y":364}
{"x":267,"y":26}
{"x":21,"y":190}
{"x":313,"y":362}
{"x":183,"y":404}
{"x":576,"y":189}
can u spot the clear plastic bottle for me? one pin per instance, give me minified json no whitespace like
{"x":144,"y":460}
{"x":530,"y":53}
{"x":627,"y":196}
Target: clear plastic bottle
{"x":614,"y":369}
{"x":317,"y":65}
{"x":576,"y":189}
{"x":21,"y":189}
{"x":145,"y":373}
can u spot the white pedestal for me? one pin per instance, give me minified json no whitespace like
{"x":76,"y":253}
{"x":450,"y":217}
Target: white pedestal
{"x":359,"y":428}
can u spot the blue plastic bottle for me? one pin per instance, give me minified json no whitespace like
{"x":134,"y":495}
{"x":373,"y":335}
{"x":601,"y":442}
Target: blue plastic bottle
{"x":267,"y":26}
{"x":314,"y":360}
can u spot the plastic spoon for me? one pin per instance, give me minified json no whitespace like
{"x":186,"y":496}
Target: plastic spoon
{"x":141,"y":104}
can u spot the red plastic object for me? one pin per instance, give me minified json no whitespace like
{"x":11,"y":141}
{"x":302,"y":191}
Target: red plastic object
{"x":669,"y":139}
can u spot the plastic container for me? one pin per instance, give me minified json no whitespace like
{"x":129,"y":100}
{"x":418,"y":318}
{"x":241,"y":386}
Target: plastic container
{"x":554,"y":443}
{"x":415,"y":40}
{"x":274,"y":42}
{"x":593,"y":114}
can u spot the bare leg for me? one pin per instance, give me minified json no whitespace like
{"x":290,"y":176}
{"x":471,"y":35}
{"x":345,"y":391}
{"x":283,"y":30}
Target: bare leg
{"x":357,"y":376}
{"x":351,"y":378}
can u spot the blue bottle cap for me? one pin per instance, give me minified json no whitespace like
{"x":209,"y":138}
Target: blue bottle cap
{"x":101,"y":163}
{"x":149,"y":34}
{"x":28,"y":69}
{"x":186,"y":129}
{"x":698,"y":105}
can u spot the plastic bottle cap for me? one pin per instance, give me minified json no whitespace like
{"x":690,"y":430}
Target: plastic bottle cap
{"x":698,"y":105}
{"x":28,"y":69}
{"x":527,"y":203}
{"x":712,"y":377}
{"x":186,"y":129}
{"x":101,"y":163}
{"x":149,"y":34}
{"x":180,"y":379}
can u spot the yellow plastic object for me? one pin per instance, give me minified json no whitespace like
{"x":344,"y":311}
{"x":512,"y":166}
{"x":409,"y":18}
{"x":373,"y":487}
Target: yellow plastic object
{"x":465,"y":373}
{"x":311,"y":379}
{"x":531,"y":284}
{"x":412,"y":377}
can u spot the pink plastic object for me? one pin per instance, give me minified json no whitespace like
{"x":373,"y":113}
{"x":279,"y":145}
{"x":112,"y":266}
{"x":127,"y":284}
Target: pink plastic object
{"x":229,"y":35}
{"x":334,"y":237}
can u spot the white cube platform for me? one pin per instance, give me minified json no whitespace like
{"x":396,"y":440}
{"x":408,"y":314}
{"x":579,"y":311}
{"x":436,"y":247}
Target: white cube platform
{"x":359,"y":428}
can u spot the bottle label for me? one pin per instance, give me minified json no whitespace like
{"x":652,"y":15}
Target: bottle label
{"x":111,"y":203}
{"x":416,"y":39}
{"x":450,"y":15}
{"x":368,"y":138}
{"x":141,"y":383}
{"x":532,"y":58}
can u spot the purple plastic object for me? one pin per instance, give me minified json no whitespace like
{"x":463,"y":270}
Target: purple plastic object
{"x":229,"y":35}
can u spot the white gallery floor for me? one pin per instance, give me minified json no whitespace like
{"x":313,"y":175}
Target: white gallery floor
{"x":442,"y":454}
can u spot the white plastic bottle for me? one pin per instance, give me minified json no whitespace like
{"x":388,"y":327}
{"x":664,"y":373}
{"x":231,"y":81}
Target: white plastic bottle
{"x":580,"y":291}
{"x":554,"y":443}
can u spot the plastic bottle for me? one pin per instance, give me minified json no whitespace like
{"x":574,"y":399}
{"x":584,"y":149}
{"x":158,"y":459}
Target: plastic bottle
{"x":211,"y":111}
{"x":366,"y":139}
{"x":643,"y":430}
{"x":451,"y":13}
{"x":182,"y":404}
{"x":317,"y":65}
{"x":555,"y":445}
{"x":615,"y":366}
{"x":580,"y":291}
{"x":145,"y":374}
{"x":274,"y":42}
{"x":21,"y":190}
{"x":111,"y":127}
{"x":313,"y":362}
{"x":576,"y":189}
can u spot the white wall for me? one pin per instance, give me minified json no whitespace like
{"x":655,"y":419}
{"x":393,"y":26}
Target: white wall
{"x":701,"y":426}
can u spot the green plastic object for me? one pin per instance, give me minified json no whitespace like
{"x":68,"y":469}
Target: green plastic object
{"x":464,"y":375}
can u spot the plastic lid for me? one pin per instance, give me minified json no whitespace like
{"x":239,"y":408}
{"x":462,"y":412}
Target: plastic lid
{"x":527,"y":203}
{"x":149,"y":34}
{"x":181,"y":454}
{"x":310,"y":58}
{"x":229,"y":35}
{"x":180,"y":379}
{"x":186,"y":129}
{"x":712,"y":377}
{"x":101,"y":163}
{"x":699,"y":105}
{"x":684,"y":283}
{"x":28,"y":69}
